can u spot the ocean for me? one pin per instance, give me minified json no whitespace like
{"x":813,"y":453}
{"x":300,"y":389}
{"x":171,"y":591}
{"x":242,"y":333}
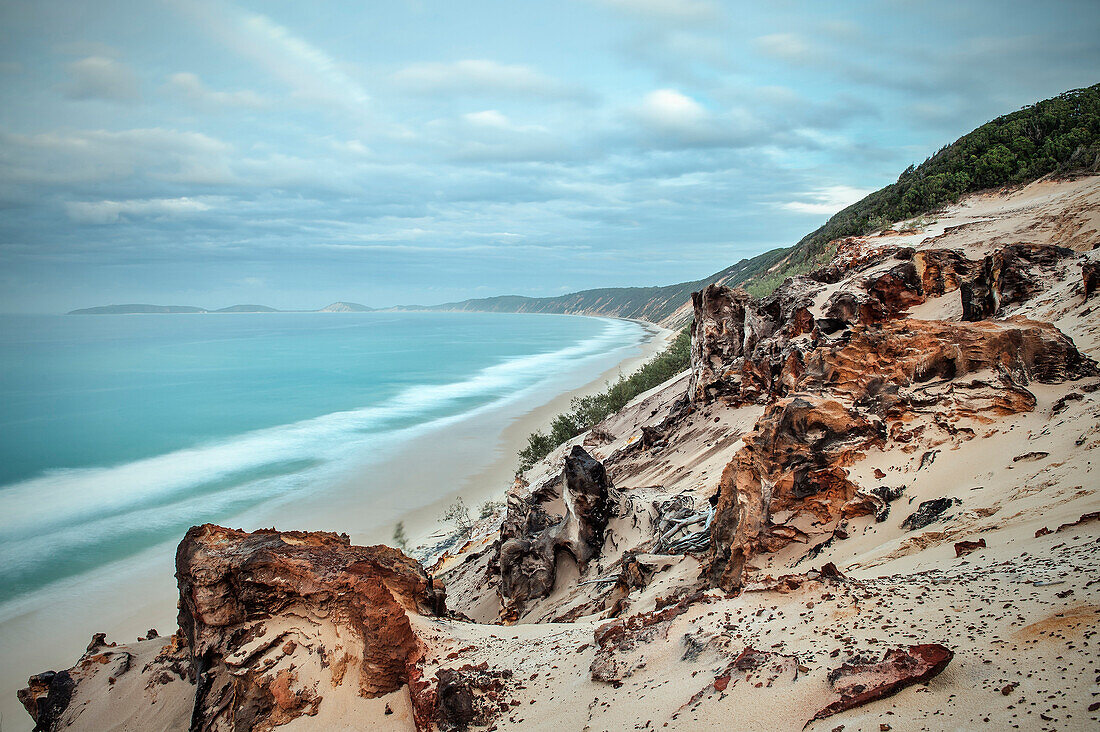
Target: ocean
{"x":118,"y":432}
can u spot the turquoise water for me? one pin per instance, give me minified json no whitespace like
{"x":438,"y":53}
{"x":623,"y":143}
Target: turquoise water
{"x":118,"y":432}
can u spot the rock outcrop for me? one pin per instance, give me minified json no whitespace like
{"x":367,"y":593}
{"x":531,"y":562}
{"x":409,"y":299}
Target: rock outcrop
{"x":563,"y":520}
{"x":833,"y":397}
{"x":270,"y":624}
{"x":787,"y":481}
{"x":236,"y":592}
{"x":1008,"y":276}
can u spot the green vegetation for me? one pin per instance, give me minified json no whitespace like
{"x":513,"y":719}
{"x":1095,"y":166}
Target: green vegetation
{"x":1058,"y":135}
{"x":459,"y":515}
{"x":489,"y":508}
{"x":587,"y":412}
{"x":400,"y":538}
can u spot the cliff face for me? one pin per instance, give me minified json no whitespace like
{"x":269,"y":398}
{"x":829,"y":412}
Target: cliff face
{"x":870,"y":503}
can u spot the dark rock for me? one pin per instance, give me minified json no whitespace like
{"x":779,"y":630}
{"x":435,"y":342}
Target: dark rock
{"x":564,"y":519}
{"x":1008,"y":276}
{"x":46,"y":698}
{"x":467,"y":696}
{"x":927,"y":512}
{"x":1090,"y":276}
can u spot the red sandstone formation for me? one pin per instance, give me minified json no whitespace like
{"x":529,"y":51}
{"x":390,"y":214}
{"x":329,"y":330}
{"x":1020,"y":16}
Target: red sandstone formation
{"x":232,"y":584}
{"x":859,"y":684}
{"x":270,"y":622}
{"x":831,"y":398}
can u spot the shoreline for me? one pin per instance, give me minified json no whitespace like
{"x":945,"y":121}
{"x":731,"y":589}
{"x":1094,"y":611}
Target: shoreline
{"x":493,"y":481}
{"x":127,"y":597}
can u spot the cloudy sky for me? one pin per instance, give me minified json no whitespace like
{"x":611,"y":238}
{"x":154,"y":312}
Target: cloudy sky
{"x":295,"y":153}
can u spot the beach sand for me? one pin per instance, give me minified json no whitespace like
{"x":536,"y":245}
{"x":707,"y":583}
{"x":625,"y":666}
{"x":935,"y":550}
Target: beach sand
{"x":473,"y":458}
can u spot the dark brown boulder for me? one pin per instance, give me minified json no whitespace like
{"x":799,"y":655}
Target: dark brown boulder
{"x":1090,"y":276}
{"x":1008,"y":276}
{"x":565,"y":518}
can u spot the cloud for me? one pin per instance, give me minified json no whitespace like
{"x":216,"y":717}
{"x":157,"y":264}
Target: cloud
{"x":478,"y":77}
{"x":825,"y":201}
{"x":670,"y":109}
{"x":191,"y":88}
{"x":491,"y":136}
{"x":309,"y":71}
{"x":99,"y":77}
{"x":788,"y":47}
{"x":670,"y":118}
{"x":682,"y":10}
{"x":113,"y":212}
{"x":51,"y":158}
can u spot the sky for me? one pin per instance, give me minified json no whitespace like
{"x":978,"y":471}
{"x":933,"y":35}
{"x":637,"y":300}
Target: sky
{"x":418,"y":151}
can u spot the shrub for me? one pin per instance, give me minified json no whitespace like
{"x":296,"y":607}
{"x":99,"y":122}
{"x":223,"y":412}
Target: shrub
{"x":586,"y":412}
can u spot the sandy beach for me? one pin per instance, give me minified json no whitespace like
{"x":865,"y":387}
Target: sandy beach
{"x":473,"y":458}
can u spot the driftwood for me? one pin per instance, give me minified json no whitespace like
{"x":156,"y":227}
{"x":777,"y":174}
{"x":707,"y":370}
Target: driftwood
{"x":674,"y":516}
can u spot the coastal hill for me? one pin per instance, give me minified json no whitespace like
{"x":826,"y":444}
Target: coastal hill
{"x":137,"y":309}
{"x":247,"y":309}
{"x":346,"y":307}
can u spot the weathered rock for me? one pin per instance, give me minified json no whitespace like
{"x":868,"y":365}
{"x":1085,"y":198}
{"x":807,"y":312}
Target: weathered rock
{"x":788,"y":482}
{"x":859,"y":684}
{"x":740,"y":346}
{"x":46,"y":697}
{"x":468,"y":696}
{"x":567,"y":516}
{"x":927,"y":512}
{"x":792,"y":463}
{"x":962,"y":548}
{"x":1010,"y":275}
{"x":898,"y":289}
{"x":718,"y":338}
{"x":1090,"y":276}
{"x":872,"y":363}
{"x":942,"y":270}
{"x":238,"y":590}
